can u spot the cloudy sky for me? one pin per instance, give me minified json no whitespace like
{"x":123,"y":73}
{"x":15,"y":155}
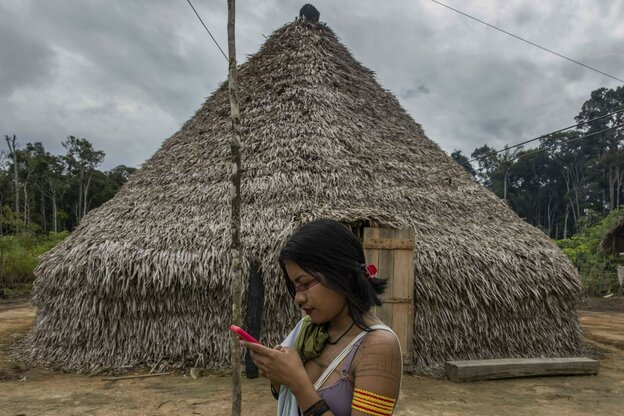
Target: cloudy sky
{"x":126,"y":74}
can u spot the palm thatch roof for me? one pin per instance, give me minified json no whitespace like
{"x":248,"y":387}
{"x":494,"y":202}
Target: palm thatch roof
{"x":145,"y":278}
{"x":613,"y":240}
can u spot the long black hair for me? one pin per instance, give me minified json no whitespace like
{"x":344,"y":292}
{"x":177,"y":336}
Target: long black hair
{"x":329,"y":251}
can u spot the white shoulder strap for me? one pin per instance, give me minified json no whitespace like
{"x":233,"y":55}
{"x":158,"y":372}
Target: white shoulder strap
{"x":332,"y":366}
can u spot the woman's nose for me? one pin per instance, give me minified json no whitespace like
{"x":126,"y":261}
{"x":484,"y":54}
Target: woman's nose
{"x":300,"y":298}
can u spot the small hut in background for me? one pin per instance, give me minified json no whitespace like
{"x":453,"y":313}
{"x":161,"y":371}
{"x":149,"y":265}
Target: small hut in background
{"x":613,"y":243}
{"x":145,"y":277}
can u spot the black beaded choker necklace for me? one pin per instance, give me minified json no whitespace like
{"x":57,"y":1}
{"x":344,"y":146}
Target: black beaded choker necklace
{"x":340,"y":337}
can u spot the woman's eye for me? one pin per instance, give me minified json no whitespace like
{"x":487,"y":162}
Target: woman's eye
{"x":305,"y":286}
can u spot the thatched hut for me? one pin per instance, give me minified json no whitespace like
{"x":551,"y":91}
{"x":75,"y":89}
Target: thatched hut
{"x":613,"y":240}
{"x":613,"y":243}
{"x":145,"y":277}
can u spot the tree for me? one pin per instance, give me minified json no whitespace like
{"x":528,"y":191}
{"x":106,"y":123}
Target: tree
{"x":12,"y":150}
{"x":605,"y":145}
{"x":5,"y":184}
{"x":51,"y":181}
{"x":495,"y":167}
{"x":506,"y":163}
{"x":463,"y":161}
{"x":120,"y":174}
{"x":81,"y":160}
{"x":535,"y":188}
{"x":50,"y":186}
{"x":487,"y":164}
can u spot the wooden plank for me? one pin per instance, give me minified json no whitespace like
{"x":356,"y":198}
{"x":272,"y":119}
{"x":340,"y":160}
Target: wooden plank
{"x":386,"y":270}
{"x":475,"y":370}
{"x":403,"y":312}
{"x":388,"y":244}
{"x":135,"y":376}
{"x":381,"y":262}
{"x":371,"y":255}
{"x":392,"y":251}
{"x":397,"y":300}
{"x":402,"y":326}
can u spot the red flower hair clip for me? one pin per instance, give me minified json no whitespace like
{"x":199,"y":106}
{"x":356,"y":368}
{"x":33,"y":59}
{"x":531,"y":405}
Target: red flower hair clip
{"x":370,"y":271}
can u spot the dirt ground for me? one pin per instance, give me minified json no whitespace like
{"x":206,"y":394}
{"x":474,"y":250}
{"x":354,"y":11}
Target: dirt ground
{"x":37,"y":392}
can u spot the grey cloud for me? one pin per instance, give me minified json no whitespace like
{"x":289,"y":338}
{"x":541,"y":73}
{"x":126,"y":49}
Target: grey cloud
{"x":24,"y":58}
{"x":127,"y":74}
{"x":524,"y":16}
{"x":414,"y":92}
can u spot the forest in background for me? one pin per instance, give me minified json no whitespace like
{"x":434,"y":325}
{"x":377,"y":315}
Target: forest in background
{"x":571,"y":180}
{"x":570,"y":184}
{"x":42,"y":192}
{"x":42,"y":198}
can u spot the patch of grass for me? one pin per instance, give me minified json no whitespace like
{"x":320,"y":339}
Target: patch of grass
{"x":20,"y":291}
{"x":598,"y":271}
{"x":18,"y":259}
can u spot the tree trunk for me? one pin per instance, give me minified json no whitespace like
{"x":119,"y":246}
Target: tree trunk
{"x":618,"y":186}
{"x":54,"y":214}
{"x":26,"y":205}
{"x":548,"y":218}
{"x":235,"y":200}
{"x":13,"y":149}
{"x":44,"y":224}
{"x":79,"y":208}
{"x":565,"y":223}
{"x":505,"y":186}
{"x":85,"y":194}
{"x":611,"y":189}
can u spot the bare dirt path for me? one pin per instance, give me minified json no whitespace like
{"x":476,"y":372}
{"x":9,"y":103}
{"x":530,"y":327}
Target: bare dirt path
{"x":37,"y":392}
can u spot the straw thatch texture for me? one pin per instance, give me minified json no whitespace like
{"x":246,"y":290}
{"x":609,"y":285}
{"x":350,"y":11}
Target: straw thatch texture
{"x":613,"y":240}
{"x":145,"y":277}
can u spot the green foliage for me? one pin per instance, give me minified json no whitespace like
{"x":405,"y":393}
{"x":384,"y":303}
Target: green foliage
{"x":598,"y":271}
{"x":569,"y":174}
{"x":459,"y":157}
{"x":53,"y":192}
{"x":18,"y":259}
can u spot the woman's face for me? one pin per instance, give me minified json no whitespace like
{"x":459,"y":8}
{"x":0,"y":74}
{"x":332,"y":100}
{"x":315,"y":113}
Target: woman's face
{"x":321,"y":303}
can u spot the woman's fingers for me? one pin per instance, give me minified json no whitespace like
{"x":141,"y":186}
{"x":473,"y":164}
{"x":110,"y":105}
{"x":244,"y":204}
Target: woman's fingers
{"x":257,"y":348}
{"x":261,"y":362}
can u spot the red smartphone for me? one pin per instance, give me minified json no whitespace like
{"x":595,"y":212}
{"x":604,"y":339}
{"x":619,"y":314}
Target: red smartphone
{"x":243,"y":335}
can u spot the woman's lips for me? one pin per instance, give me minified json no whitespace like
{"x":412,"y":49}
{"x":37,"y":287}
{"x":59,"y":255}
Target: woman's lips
{"x":308,"y":311}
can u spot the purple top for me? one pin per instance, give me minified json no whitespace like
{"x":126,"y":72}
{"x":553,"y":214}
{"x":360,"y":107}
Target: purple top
{"x":339,"y":395}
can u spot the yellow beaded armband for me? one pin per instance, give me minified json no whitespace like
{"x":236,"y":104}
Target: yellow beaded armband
{"x":371,"y":403}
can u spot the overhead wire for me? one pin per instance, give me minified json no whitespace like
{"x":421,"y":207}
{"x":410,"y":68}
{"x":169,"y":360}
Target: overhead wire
{"x":565,"y":142}
{"x":207,"y":30}
{"x":528,"y":153}
{"x":528,"y":41}
{"x":506,"y":148}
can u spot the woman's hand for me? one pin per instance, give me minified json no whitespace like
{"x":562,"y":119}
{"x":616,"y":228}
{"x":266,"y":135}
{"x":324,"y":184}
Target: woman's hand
{"x":278,"y":347}
{"x":280,"y":365}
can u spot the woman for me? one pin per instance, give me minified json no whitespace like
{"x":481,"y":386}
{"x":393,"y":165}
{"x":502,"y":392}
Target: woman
{"x":340,"y":359}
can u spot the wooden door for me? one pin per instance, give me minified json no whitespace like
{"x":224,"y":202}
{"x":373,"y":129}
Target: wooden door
{"x":392,"y":251}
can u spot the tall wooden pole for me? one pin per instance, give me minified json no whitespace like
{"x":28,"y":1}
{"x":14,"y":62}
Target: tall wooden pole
{"x":235,"y":200}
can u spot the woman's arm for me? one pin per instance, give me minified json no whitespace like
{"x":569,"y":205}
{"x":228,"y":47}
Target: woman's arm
{"x":285,"y":367}
{"x":377,"y":372}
